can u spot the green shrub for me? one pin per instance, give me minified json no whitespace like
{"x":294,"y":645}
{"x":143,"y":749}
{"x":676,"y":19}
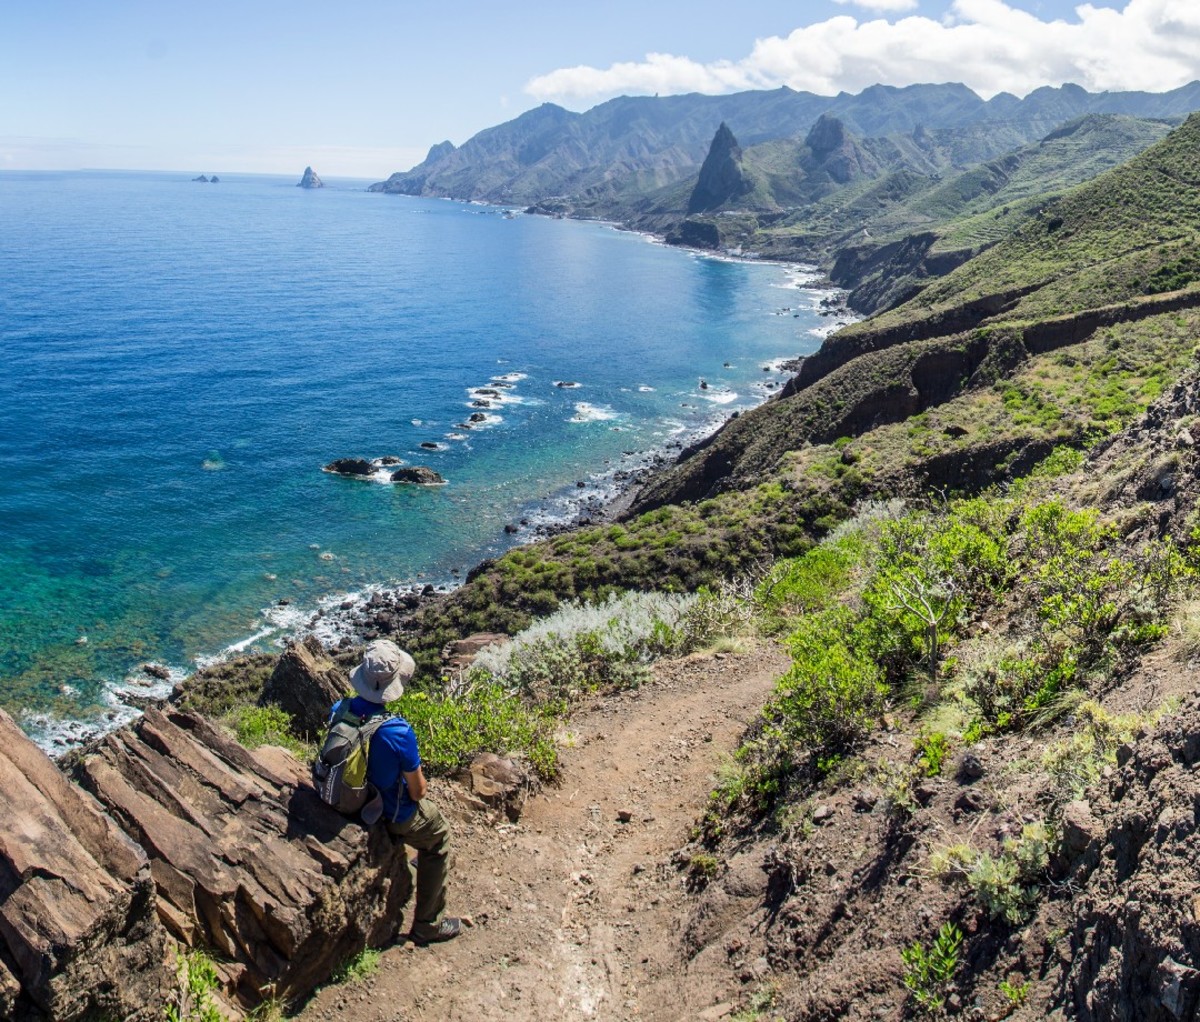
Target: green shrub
{"x":701,"y":868}
{"x":804,"y":584}
{"x":267,"y":725}
{"x":363,"y":965}
{"x":932,"y":748}
{"x":453,"y":729}
{"x":832,"y":695}
{"x":1015,"y":993}
{"x":1007,"y":886}
{"x":928,"y":974}
{"x":193,"y":999}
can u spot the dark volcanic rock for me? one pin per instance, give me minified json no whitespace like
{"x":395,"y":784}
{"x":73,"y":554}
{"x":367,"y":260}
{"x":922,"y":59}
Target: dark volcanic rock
{"x":722,"y":178}
{"x":202,"y":179}
{"x":310,"y":180}
{"x":214,"y":180}
{"x":696,"y":234}
{"x":422,"y":475}
{"x":1133,"y":952}
{"x":79,"y":935}
{"x":350,"y":467}
{"x":305,"y":684}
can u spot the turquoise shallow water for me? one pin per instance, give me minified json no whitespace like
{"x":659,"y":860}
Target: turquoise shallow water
{"x":181,"y":359}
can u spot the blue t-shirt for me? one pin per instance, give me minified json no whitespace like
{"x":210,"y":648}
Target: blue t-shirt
{"x":393,"y":753}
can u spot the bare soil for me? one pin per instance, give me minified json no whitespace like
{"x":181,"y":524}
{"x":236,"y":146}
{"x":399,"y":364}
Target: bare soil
{"x":581,"y":910}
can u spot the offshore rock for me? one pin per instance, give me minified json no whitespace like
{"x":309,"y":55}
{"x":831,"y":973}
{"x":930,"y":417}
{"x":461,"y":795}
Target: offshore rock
{"x":305,"y":684}
{"x":421,"y":475}
{"x":79,"y":935}
{"x":310,"y":180}
{"x":350,"y":467}
{"x":247,"y":861}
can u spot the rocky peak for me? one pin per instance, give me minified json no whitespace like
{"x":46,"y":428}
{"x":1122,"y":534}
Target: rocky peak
{"x":437,"y":152}
{"x":722,"y":176}
{"x":826,"y":136}
{"x":310,"y":180}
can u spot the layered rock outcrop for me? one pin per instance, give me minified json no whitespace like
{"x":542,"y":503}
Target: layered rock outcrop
{"x":79,"y":936}
{"x":245,"y":860}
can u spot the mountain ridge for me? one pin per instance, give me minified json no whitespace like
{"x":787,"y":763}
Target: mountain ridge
{"x":550,"y":152}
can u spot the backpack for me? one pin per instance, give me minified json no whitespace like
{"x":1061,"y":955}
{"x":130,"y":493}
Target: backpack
{"x":339,"y":773}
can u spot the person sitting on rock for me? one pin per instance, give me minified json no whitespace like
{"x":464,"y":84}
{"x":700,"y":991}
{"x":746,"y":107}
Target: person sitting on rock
{"x":394,"y":768}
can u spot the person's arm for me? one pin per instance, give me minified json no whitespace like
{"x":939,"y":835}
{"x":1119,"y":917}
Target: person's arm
{"x":417,"y":786}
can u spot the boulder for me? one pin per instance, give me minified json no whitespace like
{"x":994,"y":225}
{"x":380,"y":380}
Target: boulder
{"x":501,"y":782}
{"x":246,"y":860}
{"x":305,"y":684}
{"x":1080,"y":829}
{"x":350,"y":467}
{"x":79,"y":935}
{"x":460,"y":654}
{"x":421,"y":475}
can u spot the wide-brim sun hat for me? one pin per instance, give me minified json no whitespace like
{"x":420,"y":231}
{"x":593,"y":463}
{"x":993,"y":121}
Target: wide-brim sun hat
{"x":381,"y":676}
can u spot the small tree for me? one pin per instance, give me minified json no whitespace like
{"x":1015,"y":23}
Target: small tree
{"x":929,"y":604}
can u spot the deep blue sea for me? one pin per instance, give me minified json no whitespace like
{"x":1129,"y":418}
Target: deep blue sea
{"x":181,"y":359}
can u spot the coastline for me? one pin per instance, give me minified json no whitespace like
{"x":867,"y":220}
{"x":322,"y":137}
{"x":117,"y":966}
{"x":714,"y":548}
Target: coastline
{"x":344,"y":618}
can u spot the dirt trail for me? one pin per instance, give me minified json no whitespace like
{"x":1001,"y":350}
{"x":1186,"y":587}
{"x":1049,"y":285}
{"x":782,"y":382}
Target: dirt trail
{"x":578,"y":915}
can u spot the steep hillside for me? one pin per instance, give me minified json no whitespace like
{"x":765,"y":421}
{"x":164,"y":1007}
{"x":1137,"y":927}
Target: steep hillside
{"x":1117,"y":250}
{"x":904,"y":210}
{"x":1127,"y":234}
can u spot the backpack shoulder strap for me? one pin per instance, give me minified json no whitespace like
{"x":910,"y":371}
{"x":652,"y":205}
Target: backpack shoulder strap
{"x":373,"y":724}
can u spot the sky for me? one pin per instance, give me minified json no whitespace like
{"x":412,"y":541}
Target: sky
{"x":363,"y":88}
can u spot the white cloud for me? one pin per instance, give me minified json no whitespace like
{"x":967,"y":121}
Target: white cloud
{"x":881,"y":5}
{"x":986,"y":44}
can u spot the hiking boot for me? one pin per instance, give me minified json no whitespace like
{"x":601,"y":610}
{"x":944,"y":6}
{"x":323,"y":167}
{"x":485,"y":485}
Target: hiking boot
{"x":447,"y":929}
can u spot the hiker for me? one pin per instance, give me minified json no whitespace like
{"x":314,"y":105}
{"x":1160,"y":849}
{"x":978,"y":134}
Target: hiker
{"x":394,"y":768}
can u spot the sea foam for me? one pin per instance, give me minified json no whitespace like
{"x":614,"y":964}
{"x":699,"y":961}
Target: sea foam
{"x":585,"y":412}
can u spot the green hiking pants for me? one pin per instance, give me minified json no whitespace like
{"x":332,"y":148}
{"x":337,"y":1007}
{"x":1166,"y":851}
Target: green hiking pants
{"x":428,"y":832}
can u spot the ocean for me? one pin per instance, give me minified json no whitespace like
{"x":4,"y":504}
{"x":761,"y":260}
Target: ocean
{"x":181,"y":359}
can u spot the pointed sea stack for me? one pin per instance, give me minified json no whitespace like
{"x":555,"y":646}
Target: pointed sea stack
{"x":722,"y":177}
{"x":310,"y":180}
